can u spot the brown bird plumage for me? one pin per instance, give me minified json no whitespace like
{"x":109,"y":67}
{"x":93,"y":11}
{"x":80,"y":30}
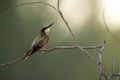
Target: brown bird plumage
{"x":41,"y":39}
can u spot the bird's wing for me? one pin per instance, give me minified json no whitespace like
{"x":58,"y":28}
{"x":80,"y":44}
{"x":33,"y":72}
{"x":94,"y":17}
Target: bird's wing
{"x":36,"y":40}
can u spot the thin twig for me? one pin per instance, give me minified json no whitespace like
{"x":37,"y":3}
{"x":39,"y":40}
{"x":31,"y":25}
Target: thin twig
{"x":14,"y":61}
{"x":100,"y":71}
{"x":112,"y":72}
{"x":27,"y":3}
{"x":106,"y":25}
{"x":61,"y":14}
{"x":88,"y":55}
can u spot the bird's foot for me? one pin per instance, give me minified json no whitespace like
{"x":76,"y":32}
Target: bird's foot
{"x":26,"y":57}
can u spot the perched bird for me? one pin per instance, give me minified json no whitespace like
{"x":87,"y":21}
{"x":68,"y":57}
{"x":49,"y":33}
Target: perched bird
{"x":40,"y":40}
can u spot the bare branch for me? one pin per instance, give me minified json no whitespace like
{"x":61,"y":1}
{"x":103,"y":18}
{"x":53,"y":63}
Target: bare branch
{"x":101,"y":69}
{"x":112,"y":67}
{"x":112,"y":70}
{"x":27,"y":3}
{"x":100,"y":66}
{"x":14,"y":61}
{"x":69,"y":47}
{"x":48,"y":50}
{"x":106,"y":25}
{"x":63,"y":18}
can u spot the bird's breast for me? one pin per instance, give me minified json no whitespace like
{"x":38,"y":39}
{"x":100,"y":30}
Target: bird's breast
{"x":44,"y":41}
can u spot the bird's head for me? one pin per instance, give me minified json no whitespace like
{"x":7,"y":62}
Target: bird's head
{"x":46,"y":29}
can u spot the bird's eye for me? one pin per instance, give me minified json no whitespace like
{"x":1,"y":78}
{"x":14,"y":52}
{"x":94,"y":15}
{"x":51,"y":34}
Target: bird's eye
{"x":47,"y":30}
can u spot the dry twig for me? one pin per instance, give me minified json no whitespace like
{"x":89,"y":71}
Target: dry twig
{"x":27,"y":3}
{"x":107,"y":26}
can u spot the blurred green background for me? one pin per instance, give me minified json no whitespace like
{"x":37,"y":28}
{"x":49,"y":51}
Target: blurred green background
{"x":19,"y":27}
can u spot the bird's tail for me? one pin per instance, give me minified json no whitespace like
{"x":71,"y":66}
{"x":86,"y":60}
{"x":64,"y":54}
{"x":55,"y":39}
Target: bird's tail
{"x":28,"y":54}
{"x":31,"y":51}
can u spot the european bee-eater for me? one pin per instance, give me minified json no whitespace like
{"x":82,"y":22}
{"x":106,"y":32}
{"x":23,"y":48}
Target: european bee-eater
{"x":41,"y":39}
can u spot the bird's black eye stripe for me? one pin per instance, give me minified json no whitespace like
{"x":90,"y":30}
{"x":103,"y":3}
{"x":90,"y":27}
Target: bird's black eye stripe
{"x":43,"y":29}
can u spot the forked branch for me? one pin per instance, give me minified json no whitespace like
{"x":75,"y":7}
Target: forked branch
{"x":52,"y":49}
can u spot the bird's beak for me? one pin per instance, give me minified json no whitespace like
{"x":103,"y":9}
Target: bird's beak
{"x":50,"y":25}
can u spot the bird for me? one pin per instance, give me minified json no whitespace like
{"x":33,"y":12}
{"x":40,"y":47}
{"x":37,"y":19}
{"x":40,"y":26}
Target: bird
{"x":39,"y":42}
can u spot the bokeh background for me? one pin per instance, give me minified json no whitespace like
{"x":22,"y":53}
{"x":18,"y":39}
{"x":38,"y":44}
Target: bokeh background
{"x":19,"y":27}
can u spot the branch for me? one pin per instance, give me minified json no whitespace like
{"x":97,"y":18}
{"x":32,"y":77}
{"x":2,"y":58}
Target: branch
{"x":63,"y":18}
{"x":69,"y":47}
{"x":27,"y":3}
{"x":14,"y":61}
{"x":48,"y":50}
{"x":112,"y":71}
{"x":101,"y":69}
{"x":107,"y":27}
